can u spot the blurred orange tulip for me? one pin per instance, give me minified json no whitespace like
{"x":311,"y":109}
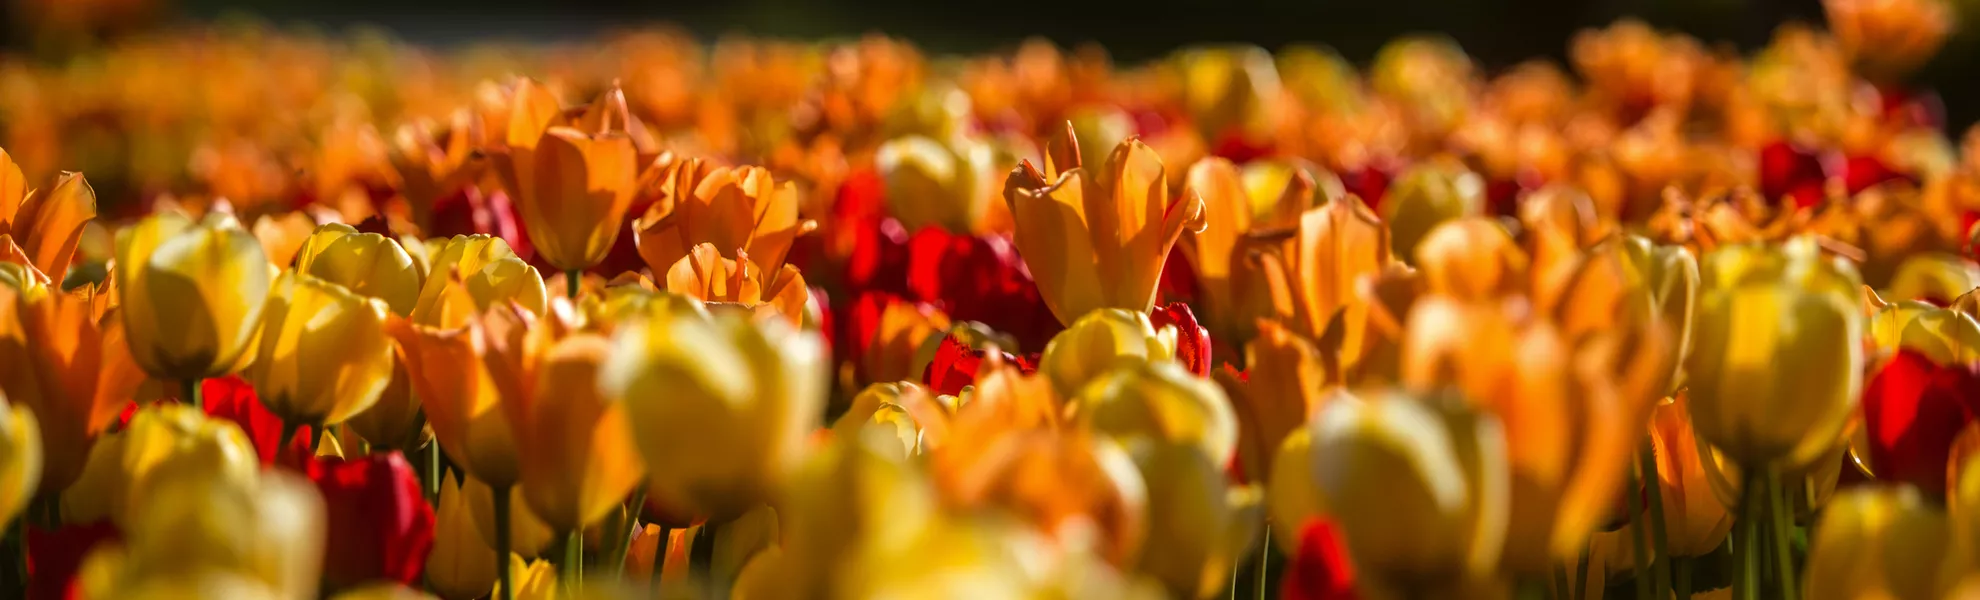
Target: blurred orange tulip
{"x":70,"y":366}
{"x":572,"y":187}
{"x":707,"y":276}
{"x":45,"y":223}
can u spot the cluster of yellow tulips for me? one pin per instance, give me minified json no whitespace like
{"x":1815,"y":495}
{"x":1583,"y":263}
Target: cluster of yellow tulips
{"x":355,"y":319}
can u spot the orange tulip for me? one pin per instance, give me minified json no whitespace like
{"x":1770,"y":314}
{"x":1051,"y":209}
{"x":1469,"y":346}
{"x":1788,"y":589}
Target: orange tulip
{"x":1286,"y":380}
{"x":1313,"y":277}
{"x":705,"y":275}
{"x":735,"y":209}
{"x":572,"y":187}
{"x":1215,"y":253}
{"x":46,"y":224}
{"x":68,"y":364}
{"x":433,"y":161}
{"x":1097,"y":238}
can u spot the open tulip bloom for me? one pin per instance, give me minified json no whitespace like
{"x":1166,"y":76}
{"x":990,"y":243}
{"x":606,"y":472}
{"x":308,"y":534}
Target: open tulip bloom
{"x":771,"y":319}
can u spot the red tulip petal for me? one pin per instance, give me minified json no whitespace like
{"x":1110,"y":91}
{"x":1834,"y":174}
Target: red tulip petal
{"x":1320,"y":569}
{"x":380,"y":526}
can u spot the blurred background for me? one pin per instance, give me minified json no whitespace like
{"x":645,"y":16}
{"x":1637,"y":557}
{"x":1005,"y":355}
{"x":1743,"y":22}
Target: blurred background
{"x":1497,"y":33}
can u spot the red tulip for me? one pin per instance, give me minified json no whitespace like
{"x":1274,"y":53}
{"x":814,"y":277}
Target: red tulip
{"x":1913,"y":409}
{"x":1790,"y":171}
{"x":468,"y":211}
{"x":979,"y":278}
{"x":1192,"y":340}
{"x":955,"y":366}
{"x":1320,"y":569}
{"x":380,"y":527}
{"x":1178,"y":282}
{"x":55,"y":556}
{"x":1861,"y":172}
{"x":233,"y":399}
{"x":1369,"y":182}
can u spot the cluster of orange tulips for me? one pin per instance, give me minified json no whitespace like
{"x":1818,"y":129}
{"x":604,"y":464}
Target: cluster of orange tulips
{"x":352,"y":319}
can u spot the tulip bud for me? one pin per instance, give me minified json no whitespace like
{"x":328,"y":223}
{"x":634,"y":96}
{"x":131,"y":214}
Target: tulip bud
{"x":1100,"y":340}
{"x":1426,"y":195}
{"x":931,"y":183}
{"x":1164,"y":402}
{"x":380,"y":527}
{"x":166,"y":442}
{"x":1420,"y":491}
{"x":1226,"y":88}
{"x":269,"y":527}
{"x":905,"y":411}
{"x":487,"y":271}
{"x":368,"y":264}
{"x":1199,"y":529}
{"x":324,"y":355}
{"x":460,"y":565}
{"x":855,"y":493}
{"x":1471,"y":258}
{"x":720,"y":407}
{"x":192,"y":294}
{"x":1777,"y":360}
{"x":578,"y":461}
{"x":1099,"y":258}
{"x":1935,"y":277}
{"x":1880,"y":542}
{"x":20,"y":458}
{"x":534,"y":580}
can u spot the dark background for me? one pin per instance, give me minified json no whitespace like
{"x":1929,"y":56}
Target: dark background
{"x":1497,"y":33}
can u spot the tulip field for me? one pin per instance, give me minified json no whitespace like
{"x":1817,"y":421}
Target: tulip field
{"x":294,"y":315}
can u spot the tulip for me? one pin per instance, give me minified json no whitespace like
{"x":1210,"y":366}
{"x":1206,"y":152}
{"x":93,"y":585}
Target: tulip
{"x":1669,"y":274}
{"x":1228,"y":215}
{"x":573,"y":187}
{"x":529,"y":536}
{"x":1695,"y":521}
{"x":949,"y":184}
{"x":1880,"y":542}
{"x":1320,"y":568}
{"x":47,"y":224}
{"x":1199,"y":529}
{"x":396,"y":421}
{"x":705,"y":275}
{"x":1426,"y":195}
{"x":1913,"y":408}
{"x":72,"y":369}
{"x":578,"y":460}
{"x":1098,"y":240}
{"x":1231,"y":89}
{"x":368,"y":264}
{"x":192,"y":294}
{"x":741,"y":208}
{"x":1945,"y":336}
{"x":380,"y":526}
{"x":324,"y":354}
{"x":830,"y":521}
{"x":905,"y":410}
{"x":163,"y":442}
{"x":460,"y":566}
{"x":21,"y":457}
{"x":232,"y":398}
{"x":1420,"y":490}
{"x":382,"y":591}
{"x":1472,"y":258}
{"x":268,"y":528}
{"x":1936,"y":277}
{"x":534,"y":580}
{"x":1100,"y":340}
{"x":739,"y":397}
{"x":1776,"y":361}
{"x":1278,"y":393}
{"x":1163,"y":402}
{"x":1889,"y":37}
{"x":486,"y":271}
{"x":891,"y":339}
{"x":1193,"y":348}
{"x":1314,"y":275}
{"x":433,"y":162}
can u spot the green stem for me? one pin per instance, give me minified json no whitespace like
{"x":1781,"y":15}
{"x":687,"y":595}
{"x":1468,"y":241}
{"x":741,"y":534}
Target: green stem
{"x":1783,"y":530}
{"x":573,"y":571}
{"x":1561,"y":585}
{"x":1683,"y":578}
{"x":1265,"y":565}
{"x":502,"y":502}
{"x":189,"y":391}
{"x":434,"y":467}
{"x":1660,"y":567}
{"x":571,"y":281}
{"x":624,"y":544}
{"x":1746,"y":581}
{"x":1639,"y":537}
{"x":660,"y":557}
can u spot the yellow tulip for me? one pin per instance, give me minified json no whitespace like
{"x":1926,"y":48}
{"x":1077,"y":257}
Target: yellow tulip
{"x":199,"y":584}
{"x":1776,"y":364}
{"x":1097,"y":238}
{"x":460,"y":566}
{"x":383,"y":591}
{"x":1669,"y":274}
{"x":324,"y":355}
{"x":1881,"y":543}
{"x":742,"y":208}
{"x":395,"y":421}
{"x":1199,"y":529}
{"x":1315,"y":275}
{"x":269,"y":527}
{"x":1164,"y":402}
{"x":1424,"y":196}
{"x":1934,"y":277}
{"x":368,"y":264}
{"x":164,"y":443}
{"x":572,"y":187}
{"x":46,"y":223}
{"x":706,"y":276}
{"x":1292,"y":497}
{"x":578,"y":461}
{"x":1286,"y":380}
{"x":904,"y":410}
{"x":1098,"y":341}
{"x":192,"y":294}
{"x":949,"y":184}
{"x":1231,"y":88}
{"x":534,"y":580}
{"x":21,"y":458}
{"x":489,"y":273}
{"x":720,"y":407}
{"x":528,"y":535}
{"x":72,"y":369}
{"x":1420,"y":491}
{"x":1694,"y":518}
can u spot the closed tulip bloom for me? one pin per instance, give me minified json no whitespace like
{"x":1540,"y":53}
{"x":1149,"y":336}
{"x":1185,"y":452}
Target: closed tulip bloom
{"x":1097,"y":236}
{"x":463,"y":400}
{"x":1099,"y":341}
{"x":1199,"y":528}
{"x":163,"y":443}
{"x":1420,"y":491}
{"x":268,"y":527}
{"x":1694,"y":518}
{"x":47,"y":224}
{"x":720,"y":407}
{"x":21,"y":456}
{"x":534,"y":580}
{"x":487,"y":270}
{"x":854,"y":493}
{"x":192,"y":294}
{"x":1160,"y":401}
{"x":734,"y":208}
{"x":324,"y":354}
{"x":1936,"y":277}
{"x":367,"y":264}
{"x":1314,"y":275}
{"x":1669,"y":274}
{"x":1231,"y":89}
{"x":577,"y":452}
{"x":460,"y":566}
{"x":1881,"y":543}
{"x":952,"y":185}
{"x":1472,"y":258}
{"x":1776,"y":364}
{"x":379,"y":526}
{"x":72,"y":369}
{"x":1426,"y":195}
{"x":573,"y":187}
{"x":706,"y":276}
{"x":1944,"y":335}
